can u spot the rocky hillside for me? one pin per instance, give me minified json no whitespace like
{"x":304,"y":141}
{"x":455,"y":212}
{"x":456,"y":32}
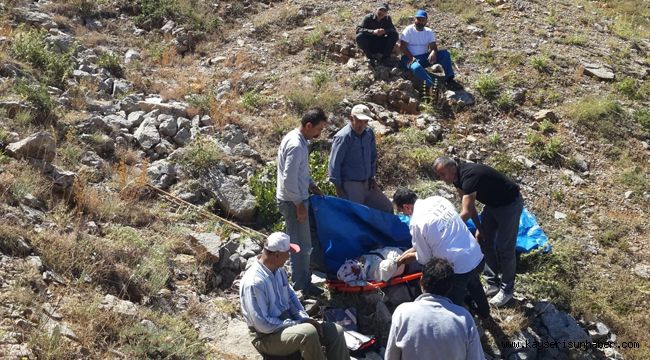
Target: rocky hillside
{"x":136,"y":139}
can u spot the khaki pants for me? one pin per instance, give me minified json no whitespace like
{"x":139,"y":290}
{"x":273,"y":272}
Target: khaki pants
{"x":304,"y":338}
{"x":360,"y":192}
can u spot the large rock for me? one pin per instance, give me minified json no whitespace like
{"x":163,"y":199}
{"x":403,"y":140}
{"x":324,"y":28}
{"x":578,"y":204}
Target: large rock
{"x":206,"y":245}
{"x":162,"y":174}
{"x":40,"y":145}
{"x":234,"y":199}
{"x":183,"y":137}
{"x":459,"y":98}
{"x":560,"y":325}
{"x":147,"y":134}
{"x":235,"y":341}
{"x":168,"y":125}
{"x":34,"y":18}
{"x":602,"y":72}
{"x":122,"y":307}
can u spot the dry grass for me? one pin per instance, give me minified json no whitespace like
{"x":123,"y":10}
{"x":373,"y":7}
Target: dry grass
{"x":19,"y":179}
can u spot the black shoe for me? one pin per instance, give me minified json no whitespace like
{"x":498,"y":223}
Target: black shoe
{"x":312,"y":291}
{"x":453,"y":85}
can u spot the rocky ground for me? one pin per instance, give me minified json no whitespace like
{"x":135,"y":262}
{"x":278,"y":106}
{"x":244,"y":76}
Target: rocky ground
{"x":101,"y":99}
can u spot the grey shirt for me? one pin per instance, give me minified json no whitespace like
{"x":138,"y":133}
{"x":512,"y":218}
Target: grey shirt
{"x":432,"y":327}
{"x":293,"y":168}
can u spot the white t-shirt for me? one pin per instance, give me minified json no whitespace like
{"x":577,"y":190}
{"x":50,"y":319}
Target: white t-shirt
{"x":438,"y":230}
{"x":418,"y":41}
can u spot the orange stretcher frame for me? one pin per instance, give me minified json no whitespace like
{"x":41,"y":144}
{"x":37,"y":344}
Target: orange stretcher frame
{"x":340,"y":286}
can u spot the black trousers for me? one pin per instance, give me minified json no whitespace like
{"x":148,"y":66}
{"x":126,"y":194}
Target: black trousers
{"x":371,"y":44}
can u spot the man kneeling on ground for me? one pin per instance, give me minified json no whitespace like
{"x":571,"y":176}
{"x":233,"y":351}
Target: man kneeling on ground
{"x":274,"y":315}
{"x":432,"y":326}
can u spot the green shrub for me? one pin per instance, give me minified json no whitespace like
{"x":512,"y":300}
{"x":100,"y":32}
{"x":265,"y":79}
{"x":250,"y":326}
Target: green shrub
{"x":642,"y":117}
{"x":302,"y":99}
{"x":546,"y":127}
{"x":111,"y":62}
{"x":549,"y":151}
{"x":251,"y":100}
{"x":504,"y":102}
{"x":505,"y":164}
{"x":200,"y":101}
{"x":316,"y":36}
{"x":540,"y":63}
{"x":320,"y":78}
{"x":488,"y":86}
{"x":601,"y":116}
{"x":630,"y":88}
{"x":30,"y":46}
{"x":39,"y":98}
{"x":201,"y":155}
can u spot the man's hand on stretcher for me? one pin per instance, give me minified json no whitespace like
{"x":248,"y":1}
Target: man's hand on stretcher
{"x":406,"y":257}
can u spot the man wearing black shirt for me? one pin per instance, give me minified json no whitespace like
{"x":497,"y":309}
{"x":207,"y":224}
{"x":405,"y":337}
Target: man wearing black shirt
{"x":497,"y":229}
{"x":376,"y":34}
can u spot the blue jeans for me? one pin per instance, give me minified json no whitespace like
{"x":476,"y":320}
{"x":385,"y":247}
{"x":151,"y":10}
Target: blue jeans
{"x":417,"y":67}
{"x":300,"y":234}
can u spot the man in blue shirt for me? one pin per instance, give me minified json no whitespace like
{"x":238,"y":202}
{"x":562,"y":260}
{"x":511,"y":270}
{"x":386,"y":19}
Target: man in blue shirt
{"x":274,"y":315}
{"x":432,"y":327}
{"x":353,"y":162}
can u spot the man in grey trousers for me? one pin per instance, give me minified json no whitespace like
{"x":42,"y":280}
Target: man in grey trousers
{"x":497,"y":229}
{"x":353,"y":162}
{"x":292,"y":193}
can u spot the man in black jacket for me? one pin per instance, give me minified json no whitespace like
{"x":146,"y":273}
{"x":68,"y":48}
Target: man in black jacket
{"x":376,"y":34}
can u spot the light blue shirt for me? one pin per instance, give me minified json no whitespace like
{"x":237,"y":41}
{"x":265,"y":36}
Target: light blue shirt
{"x":432,"y":327}
{"x":293,"y":168}
{"x":268,"y":302}
{"x":353,"y":156}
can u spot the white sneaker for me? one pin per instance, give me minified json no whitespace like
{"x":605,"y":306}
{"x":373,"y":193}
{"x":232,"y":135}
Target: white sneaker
{"x":500,"y":299}
{"x":492,"y":290}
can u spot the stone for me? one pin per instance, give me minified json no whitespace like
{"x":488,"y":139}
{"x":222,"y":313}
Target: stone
{"x":93,"y":24}
{"x":52,"y":326}
{"x":40,"y":145}
{"x":60,"y":42}
{"x":235,"y":200}
{"x":475,"y":30}
{"x":433,"y":133}
{"x":163,"y":148}
{"x":206,"y":120}
{"x":183,"y":137}
{"x":100,"y":143}
{"x":50,"y":311}
{"x":168,"y":27}
{"x":603,"y":72}
{"x":642,"y":270}
{"x":33,"y":202}
{"x":519,"y":350}
{"x":249,"y":248}
{"x":580,"y":163}
{"x":459,"y":98}
{"x":121,"y":87}
{"x":559,"y":215}
{"x":525,"y":161}
{"x":147,"y":134}
{"x":131,"y":55}
{"x":119,"y":306}
{"x":17,"y":351}
{"x":168,"y":125}
{"x":15,"y":246}
{"x":36,"y":263}
{"x":234,"y":341}
{"x":206,"y":246}
{"x":599,"y":333}
{"x":34,"y":18}
{"x":162,"y":174}
{"x":134,"y":119}
{"x":560,"y":325}
{"x":545,"y":115}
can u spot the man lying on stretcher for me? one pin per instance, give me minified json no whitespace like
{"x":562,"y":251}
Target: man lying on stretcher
{"x":377,"y":265}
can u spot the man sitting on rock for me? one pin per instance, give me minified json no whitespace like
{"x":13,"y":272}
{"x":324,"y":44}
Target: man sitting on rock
{"x":277,"y":319}
{"x":376,"y":34}
{"x":418,"y":44}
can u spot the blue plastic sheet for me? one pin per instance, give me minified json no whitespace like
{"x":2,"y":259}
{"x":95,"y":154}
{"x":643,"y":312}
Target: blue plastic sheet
{"x":347,"y":230}
{"x":530,"y":235}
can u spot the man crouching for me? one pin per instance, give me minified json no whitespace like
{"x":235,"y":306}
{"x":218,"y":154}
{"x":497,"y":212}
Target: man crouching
{"x":273,"y":313}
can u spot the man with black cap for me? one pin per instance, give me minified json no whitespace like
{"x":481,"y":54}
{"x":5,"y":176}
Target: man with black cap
{"x":274,"y":315}
{"x":376,"y":34}
{"x":418,"y":44}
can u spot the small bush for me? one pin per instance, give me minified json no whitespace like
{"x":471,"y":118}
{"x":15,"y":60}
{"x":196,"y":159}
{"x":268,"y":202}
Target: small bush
{"x":642,"y":117}
{"x":200,"y":101}
{"x":316,"y":36}
{"x":111,"y":62}
{"x":547,"y":151}
{"x":488,"y":86}
{"x":601,"y":116}
{"x":320,"y":78}
{"x":635,"y":178}
{"x":263,"y":185}
{"x":201,"y":155}
{"x":630,"y":88}
{"x":505,"y":164}
{"x":251,"y":100}
{"x":304,"y":98}
{"x":541,"y":63}
{"x":30,"y":45}
{"x":574,"y":39}
{"x":504,"y":102}
{"x":39,"y":98}
{"x":546,"y":127}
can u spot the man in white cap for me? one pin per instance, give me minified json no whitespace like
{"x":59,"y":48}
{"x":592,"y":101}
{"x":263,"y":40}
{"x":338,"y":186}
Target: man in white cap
{"x":353,"y":162}
{"x":276,"y":318}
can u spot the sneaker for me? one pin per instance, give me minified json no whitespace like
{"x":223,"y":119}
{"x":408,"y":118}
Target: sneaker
{"x":453,"y":85}
{"x":500,"y":299}
{"x":492,"y":290}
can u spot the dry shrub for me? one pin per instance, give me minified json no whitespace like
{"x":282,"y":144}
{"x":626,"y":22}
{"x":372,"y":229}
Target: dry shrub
{"x":18,"y":179}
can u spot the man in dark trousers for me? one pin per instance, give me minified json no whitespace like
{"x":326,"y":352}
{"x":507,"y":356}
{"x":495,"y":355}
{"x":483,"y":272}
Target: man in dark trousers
{"x":497,"y":229}
{"x":376,"y":34}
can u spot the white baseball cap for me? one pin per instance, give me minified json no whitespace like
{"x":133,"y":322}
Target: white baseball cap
{"x":279,"y":241}
{"x":361,"y":112}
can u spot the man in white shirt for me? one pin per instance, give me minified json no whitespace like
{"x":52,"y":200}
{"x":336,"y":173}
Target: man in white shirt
{"x":418,"y":44}
{"x":432,"y":327}
{"x":292,"y":193}
{"x":438,"y":231}
{"x":274,"y":315}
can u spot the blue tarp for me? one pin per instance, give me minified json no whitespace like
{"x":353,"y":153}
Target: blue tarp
{"x":347,"y":230}
{"x":530,"y":236}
